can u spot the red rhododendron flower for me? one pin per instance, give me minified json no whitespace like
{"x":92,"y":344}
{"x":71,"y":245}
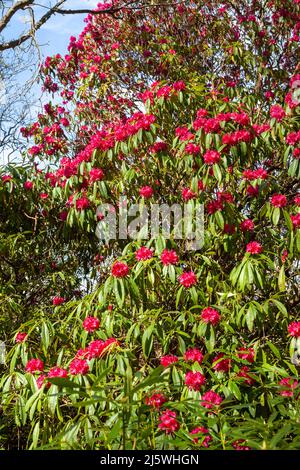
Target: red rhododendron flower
{"x":293,"y":138}
{"x":240,"y":445}
{"x":166,"y":361}
{"x":252,"y":191}
{"x":6,"y":178}
{"x":156,"y":400}
{"x":243,"y":374}
{"x":168,"y":422}
{"x":210,"y":125}
{"x":246,"y":354}
{"x":79,"y":367}
{"x":179,"y":86}
{"x":34,"y":365}
{"x":254,"y":248}
{"x":296,"y":153}
{"x":94,"y":349}
{"x":183,"y":133}
{"x":58,"y":301}
{"x":278,"y":200}
{"x":211,"y":399}
{"x":297,"y":200}
{"x":284,"y":256}
{"x":296,"y":220}
{"x":192,"y":149}
{"x":20,"y":337}
{"x":96,"y":174}
{"x":210,"y":315}
{"x":288,"y":386}
{"x":294,"y":329}
{"x":260,"y":129}
{"x":57,"y":372}
{"x":247,"y":225}
{"x":91,"y":324}
{"x":230,"y":229}
{"x":199,"y":431}
{"x":119,"y":269}
{"x":169,"y":257}
{"x":82,"y":203}
{"x":251,"y":175}
{"x":211,"y":157}
{"x":164,"y":92}
{"x":188,"y":279}
{"x":146,"y":192}
{"x":236,"y":137}
{"x":188,"y":194}
{"x":277,"y":112}
{"x":63,"y":215}
{"x":225,"y":196}
{"x":194,"y":380}
{"x":28,"y":185}
{"x":44,"y":196}
{"x":221,"y":365}
{"x":41,"y":380}
{"x":143,"y":253}
{"x":99,"y":348}
{"x":193,"y":355}
{"x":214,"y":206}
{"x":158,"y":147}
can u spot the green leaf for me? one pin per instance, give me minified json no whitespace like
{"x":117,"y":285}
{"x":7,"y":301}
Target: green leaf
{"x":281,"y":279}
{"x":147,"y":340}
{"x":276,"y":215}
{"x":210,"y":339}
{"x":274,"y":349}
{"x":45,"y":336}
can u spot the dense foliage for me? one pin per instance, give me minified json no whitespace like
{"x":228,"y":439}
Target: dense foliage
{"x":137,"y":344}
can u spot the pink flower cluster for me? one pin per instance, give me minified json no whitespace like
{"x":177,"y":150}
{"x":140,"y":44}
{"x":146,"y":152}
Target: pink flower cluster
{"x":260,"y":173}
{"x":188,"y":279}
{"x":277,"y":112}
{"x":211,"y":399}
{"x":294,"y":329}
{"x":168,"y":422}
{"x":166,"y":361}
{"x":119,"y":269}
{"x":211,"y":157}
{"x":288,"y":386}
{"x":201,"y":433}
{"x":254,"y":248}
{"x":97,"y":349}
{"x":210,"y":315}
{"x":58,"y":301}
{"x":194,"y":380}
{"x":169,"y":257}
{"x":278,"y":200}
{"x":143,"y":254}
{"x":193,"y":355}
{"x":91,"y":324}
{"x":236,"y":137}
{"x":146,"y":192}
{"x":156,"y":400}
{"x":220,"y":364}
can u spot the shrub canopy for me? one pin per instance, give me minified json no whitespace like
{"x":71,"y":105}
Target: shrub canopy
{"x":137,"y":344}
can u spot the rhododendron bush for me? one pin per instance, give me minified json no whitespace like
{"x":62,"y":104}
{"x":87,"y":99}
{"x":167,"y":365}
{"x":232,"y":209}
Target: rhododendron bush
{"x":146,"y":343}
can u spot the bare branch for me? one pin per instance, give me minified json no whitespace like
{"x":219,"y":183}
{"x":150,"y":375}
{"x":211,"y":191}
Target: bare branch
{"x":24,"y":37}
{"x":20,"y":5}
